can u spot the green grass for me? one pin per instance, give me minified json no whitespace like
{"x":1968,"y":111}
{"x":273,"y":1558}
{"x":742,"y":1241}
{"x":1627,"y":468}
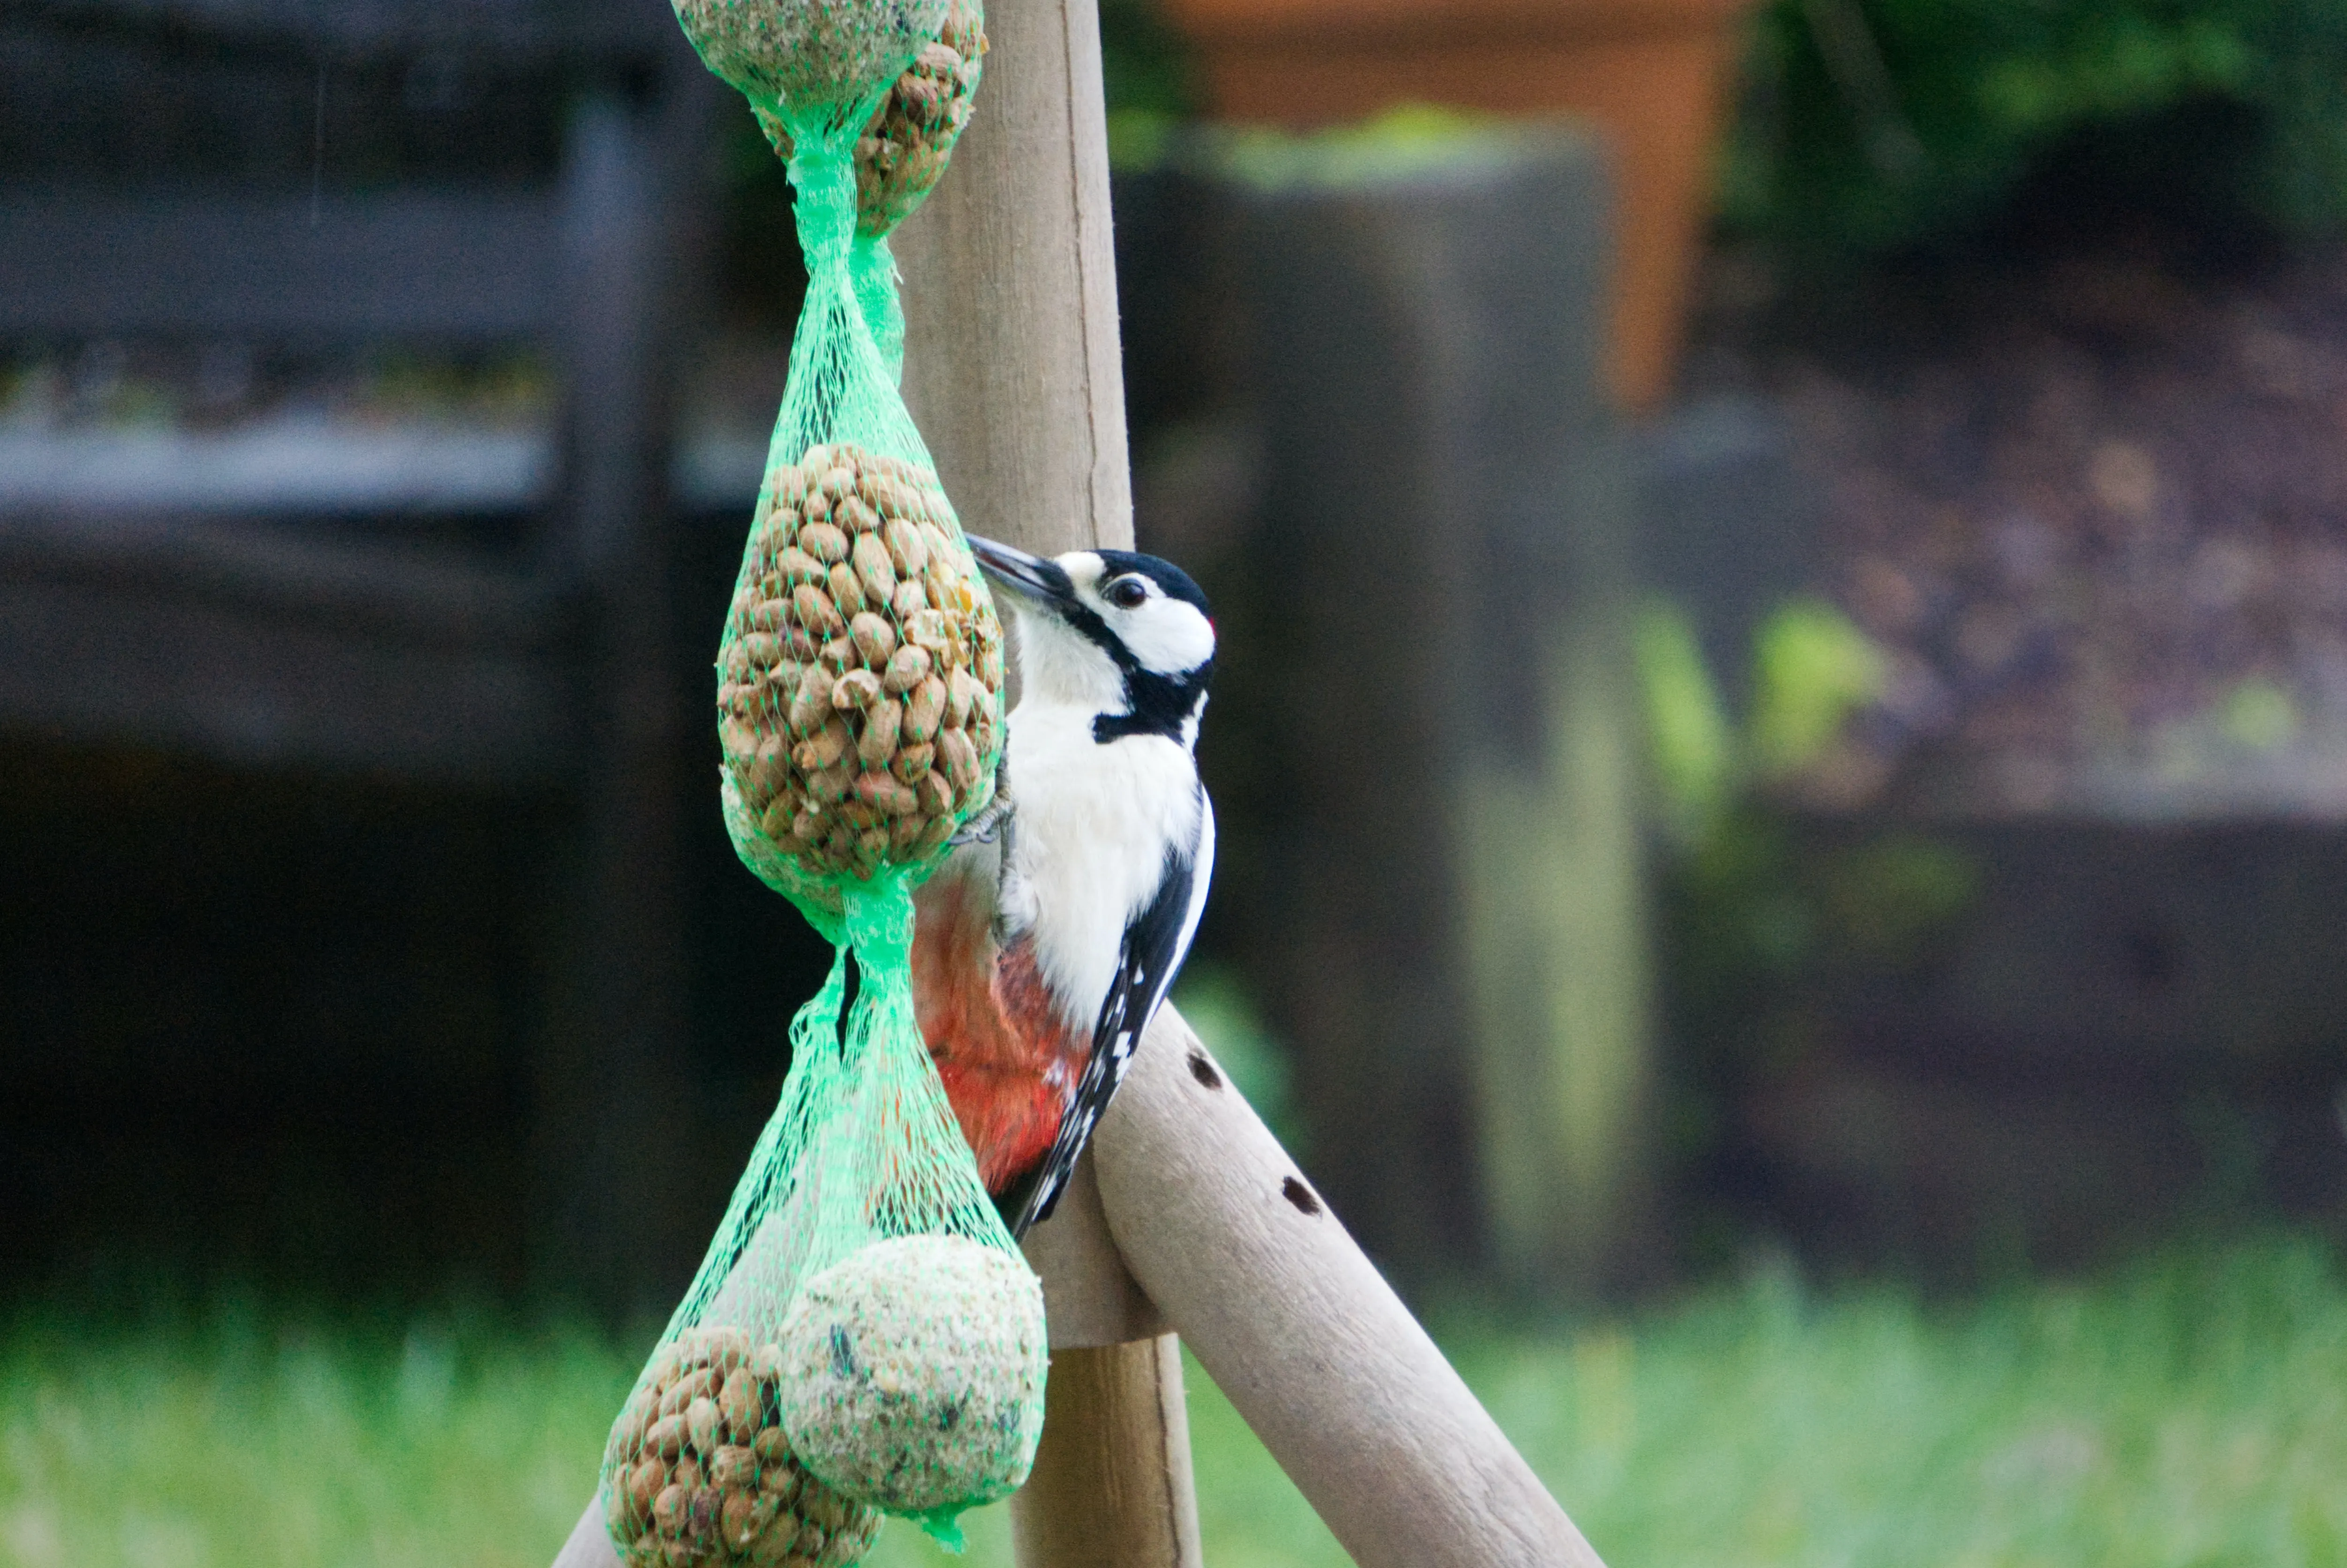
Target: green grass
{"x":2176,"y":1414}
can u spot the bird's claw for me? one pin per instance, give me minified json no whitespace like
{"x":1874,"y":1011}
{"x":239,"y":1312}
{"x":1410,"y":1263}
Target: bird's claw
{"x":992,"y":819}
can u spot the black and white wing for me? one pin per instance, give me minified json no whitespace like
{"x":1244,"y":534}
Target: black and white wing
{"x":1155,"y":942}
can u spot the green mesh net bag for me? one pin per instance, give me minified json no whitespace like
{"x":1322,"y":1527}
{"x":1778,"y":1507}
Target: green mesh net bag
{"x":863,"y":1337}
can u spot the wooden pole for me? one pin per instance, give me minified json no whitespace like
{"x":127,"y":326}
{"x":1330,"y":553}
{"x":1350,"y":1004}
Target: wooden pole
{"x":1111,"y":1484}
{"x":1301,"y":1333}
{"x":1014,"y":372}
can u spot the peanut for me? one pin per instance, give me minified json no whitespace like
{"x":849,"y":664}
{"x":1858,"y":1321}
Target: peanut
{"x":670,"y":1508}
{"x":856,"y":688}
{"x":886,"y":796}
{"x":831,"y":786}
{"x":824,"y":748}
{"x":936,"y":794}
{"x":686,"y":1389}
{"x":926,"y":708}
{"x":881,"y":722}
{"x":874,"y":566}
{"x":825,"y":542}
{"x":907,"y":549}
{"x":964,"y":693}
{"x":742,"y":1402}
{"x":811,"y":708}
{"x":780,"y":1537}
{"x":846,"y":588}
{"x":817,"y":610}
{"x":912,"y":762}
{"x":701,"y":1420}
{"x":875,"y":638}
{"x":644,"y":1484}
{"x":959,"y":757}
{"x":734,"y":1466}
{"x":747,"y":1516}
{"x":908,"y":668}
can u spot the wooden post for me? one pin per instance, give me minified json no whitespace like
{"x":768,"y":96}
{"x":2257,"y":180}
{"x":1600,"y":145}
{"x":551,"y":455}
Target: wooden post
{"x":1111,"y":1484}
{"x":605,"y":1065}
{"x":1014,"y":372}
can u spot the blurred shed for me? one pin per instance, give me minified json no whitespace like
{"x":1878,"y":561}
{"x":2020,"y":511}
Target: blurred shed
{"x":333,"y":676}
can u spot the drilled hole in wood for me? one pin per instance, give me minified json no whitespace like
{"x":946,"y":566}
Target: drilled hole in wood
{"x":1204,"y":1071}
{"x":1296,"y":1192}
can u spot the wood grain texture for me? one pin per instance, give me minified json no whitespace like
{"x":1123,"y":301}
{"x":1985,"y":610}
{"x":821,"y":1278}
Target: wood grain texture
{"x":1111,"y":1487}
{"x":1298,"y":1331}
{"x":1090,"y":1298}
{"x":1012,"y":364}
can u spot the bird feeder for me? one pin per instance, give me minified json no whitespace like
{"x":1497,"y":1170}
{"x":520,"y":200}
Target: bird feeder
{"x":1186,"y":1217}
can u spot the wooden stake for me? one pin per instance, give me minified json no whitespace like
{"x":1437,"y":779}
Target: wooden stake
{"x":1014,"y":368}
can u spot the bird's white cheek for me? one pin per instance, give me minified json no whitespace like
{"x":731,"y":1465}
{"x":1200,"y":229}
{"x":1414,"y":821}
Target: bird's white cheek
{"x":1168,"y":637}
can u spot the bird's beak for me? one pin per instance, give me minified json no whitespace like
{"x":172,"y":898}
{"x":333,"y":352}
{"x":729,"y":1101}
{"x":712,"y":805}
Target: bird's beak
{"x":1029,"y":577}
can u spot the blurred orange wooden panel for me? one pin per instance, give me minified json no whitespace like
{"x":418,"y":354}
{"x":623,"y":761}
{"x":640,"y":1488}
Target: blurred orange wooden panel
{"x":1651,"y":75}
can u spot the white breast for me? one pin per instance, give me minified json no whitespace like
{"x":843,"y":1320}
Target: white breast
{"x":1088,"y":849}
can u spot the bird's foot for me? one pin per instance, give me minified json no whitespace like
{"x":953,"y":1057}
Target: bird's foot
{"x":992,"y":818}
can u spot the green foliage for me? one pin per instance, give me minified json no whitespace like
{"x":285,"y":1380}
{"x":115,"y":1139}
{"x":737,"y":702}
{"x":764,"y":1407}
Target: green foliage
{"x":1694,"y":746}
{"x":1876,"y":124}
{"x":1759,"y":916}
{"x":1144,"y":66}
{"x":2187,"y":1409}
{"x":2259,"y":715}
{"x":1405,"y":140}
{"x":1813,"y":670}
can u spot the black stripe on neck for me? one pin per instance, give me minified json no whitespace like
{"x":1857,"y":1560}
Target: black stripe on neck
{"x":1155,"y":704}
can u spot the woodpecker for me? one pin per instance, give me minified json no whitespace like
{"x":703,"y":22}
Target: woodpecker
{"x":1044,"y":945}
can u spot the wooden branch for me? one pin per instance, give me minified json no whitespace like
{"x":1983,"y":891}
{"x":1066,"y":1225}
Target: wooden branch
{"x":1300,"y":1332}
{"x":589,"y":1545}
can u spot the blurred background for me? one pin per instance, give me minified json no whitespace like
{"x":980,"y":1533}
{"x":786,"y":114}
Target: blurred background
{"x":1782,"y":743}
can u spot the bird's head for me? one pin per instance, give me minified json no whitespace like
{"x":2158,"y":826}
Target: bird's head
{"x":1123,"y":635}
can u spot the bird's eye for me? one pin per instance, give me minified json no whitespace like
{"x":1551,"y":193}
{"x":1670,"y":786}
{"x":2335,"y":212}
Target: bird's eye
{"x":1128,"y":593}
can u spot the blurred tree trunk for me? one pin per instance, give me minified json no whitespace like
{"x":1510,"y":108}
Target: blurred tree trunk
{"x":1459,"y":920}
